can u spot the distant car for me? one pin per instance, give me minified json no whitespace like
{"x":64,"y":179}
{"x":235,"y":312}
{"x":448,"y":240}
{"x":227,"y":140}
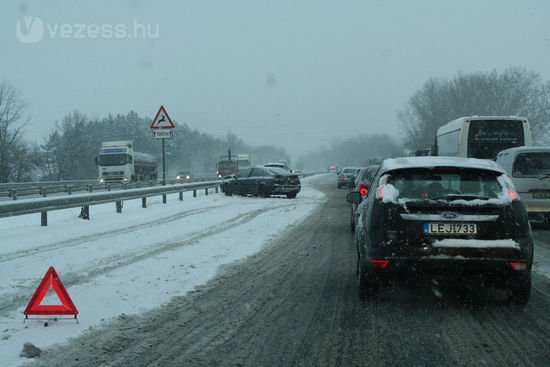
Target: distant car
{"x":529,"y":168}
{"x":263,"y":181}
{"x":345,"y":176}
{"x":362,"y":184}
{"x":449,"y":216}
{"x":184,"y":176}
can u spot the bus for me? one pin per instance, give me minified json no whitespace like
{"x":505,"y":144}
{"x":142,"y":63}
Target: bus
{"x":481,"y":136}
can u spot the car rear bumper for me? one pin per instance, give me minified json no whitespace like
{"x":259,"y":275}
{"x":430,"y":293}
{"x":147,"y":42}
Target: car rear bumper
{"x":537,"y":207}
{"x":285,"y":189}
{"x":404,"y":261}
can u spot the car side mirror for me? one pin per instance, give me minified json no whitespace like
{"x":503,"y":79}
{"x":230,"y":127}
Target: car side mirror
{"x":354,"y":197}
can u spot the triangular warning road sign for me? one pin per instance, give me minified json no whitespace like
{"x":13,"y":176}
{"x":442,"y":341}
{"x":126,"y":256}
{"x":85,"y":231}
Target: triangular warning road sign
{"x":51,"y":279}
{"x":162,"y":120}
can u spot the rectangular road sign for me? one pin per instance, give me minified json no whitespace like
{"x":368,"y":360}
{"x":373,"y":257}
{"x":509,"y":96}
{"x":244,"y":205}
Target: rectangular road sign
{"x":163,"y":134}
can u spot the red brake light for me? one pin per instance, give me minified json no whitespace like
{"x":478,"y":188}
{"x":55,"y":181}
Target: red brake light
{"x":363,"y":189}
{"x":342,"y":177}
{"x":513,"y":194}
{"x":518,"y":265}
{"x":379,"y":264}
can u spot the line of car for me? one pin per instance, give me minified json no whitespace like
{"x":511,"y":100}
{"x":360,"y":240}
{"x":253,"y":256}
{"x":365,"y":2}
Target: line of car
{"x":430,"y":217}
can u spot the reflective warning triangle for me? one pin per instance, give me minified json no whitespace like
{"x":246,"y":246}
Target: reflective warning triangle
{"x":162,"y":120}
{"x":51,"y":279}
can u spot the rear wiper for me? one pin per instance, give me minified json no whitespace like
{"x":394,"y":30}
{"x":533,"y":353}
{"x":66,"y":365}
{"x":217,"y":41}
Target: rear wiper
{"x":452,"y":197}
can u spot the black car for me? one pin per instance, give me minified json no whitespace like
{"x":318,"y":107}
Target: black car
{"x":443,"y":216}
{"x":362,"y":184}
{"x":263,"y":181}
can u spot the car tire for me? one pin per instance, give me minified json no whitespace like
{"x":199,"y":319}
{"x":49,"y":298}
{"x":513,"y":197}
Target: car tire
{"x":520,"y":290}
{"x":262,"y":191}
{"x":291,"y":195}
{"x":369,"y":285}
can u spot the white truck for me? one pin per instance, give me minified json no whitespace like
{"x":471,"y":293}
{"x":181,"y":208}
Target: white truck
{"x":118,"y":162}
{"x":243,"y":161}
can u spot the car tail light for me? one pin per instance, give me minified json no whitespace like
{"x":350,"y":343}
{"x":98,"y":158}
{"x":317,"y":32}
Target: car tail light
{"x":363,"y":189}
{"x":518,"y":265}
{"x":379,"y":264}
{"x":513,"y":194}
{"x":277,"y":180}
{"x":380,"y":192}
{"x":342,"y":177}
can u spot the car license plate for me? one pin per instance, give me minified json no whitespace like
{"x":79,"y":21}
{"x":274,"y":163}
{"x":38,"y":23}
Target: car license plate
{"x":450,"y":228}
{"x":541,"y":194}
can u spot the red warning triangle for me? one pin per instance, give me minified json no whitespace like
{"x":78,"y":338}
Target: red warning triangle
{"x":51,"y":279}
{"x":162,"y":120}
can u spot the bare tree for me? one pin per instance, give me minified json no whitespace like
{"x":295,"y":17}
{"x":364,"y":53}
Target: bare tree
{"x":516,"y":91}
{"x":11,"y":127}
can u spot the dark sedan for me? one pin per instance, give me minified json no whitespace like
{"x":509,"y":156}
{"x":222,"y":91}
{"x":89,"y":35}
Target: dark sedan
{"x":443,"y":216}
{"x":263,"y":182}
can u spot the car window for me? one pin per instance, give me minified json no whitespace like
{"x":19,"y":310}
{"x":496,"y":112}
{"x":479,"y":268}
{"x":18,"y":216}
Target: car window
{"x":418,"y":184}
{"x":244,"y":173}
{"x":278,"y":171}
{"x":532,"y":164}
{"x":257,"y":172}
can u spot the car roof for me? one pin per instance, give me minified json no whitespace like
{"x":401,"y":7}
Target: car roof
{"x":391,"y":164}
{"x":524,"y":149}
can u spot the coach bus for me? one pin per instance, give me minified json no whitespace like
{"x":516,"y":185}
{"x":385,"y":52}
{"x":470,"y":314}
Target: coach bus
{"x":482,"y":136}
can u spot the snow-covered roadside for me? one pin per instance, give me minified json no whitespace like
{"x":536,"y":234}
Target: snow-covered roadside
{"x":114,"y":270}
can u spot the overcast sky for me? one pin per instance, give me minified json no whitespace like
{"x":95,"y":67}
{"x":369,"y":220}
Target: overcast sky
{"x":297,"y":74}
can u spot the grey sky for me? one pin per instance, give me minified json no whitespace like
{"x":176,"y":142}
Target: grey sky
{"x":297,"y":74}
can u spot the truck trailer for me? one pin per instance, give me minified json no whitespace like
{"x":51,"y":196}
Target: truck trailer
{"x":118,"y":162}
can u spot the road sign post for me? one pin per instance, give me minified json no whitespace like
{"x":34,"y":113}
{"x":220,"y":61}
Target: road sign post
{"x":162,"y":128}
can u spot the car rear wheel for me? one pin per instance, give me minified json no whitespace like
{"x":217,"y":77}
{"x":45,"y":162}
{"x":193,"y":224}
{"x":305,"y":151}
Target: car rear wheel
{"x":520,"y":290}
{"x":369,"y":285}
{"x":291,"y":195}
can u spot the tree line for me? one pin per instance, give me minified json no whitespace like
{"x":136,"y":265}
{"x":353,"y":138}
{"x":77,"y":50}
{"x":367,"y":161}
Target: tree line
{"x":69,"y":150}
{"x":513,"y":92}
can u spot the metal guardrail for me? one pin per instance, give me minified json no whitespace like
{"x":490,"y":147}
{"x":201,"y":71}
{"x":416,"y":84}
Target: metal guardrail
{"x":16,"y":190}
{"x":43,"y":205}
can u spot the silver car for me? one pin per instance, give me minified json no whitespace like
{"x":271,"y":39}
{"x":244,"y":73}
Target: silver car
{"x":529,"y":168}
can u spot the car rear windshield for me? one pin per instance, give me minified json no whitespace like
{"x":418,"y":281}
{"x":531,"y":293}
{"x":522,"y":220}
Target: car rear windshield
{"x":349,"y":170}
{"x":532,"y":164}
{"x":278,"y":171}
{"x":444,"y":183}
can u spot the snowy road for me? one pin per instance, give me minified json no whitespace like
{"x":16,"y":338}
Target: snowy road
{"x":123,"y":264}
{"x":292,"y":301}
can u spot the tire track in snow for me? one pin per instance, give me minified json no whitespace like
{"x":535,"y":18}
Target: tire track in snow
{"x":97,"y":236}
{"x":109,"y":264}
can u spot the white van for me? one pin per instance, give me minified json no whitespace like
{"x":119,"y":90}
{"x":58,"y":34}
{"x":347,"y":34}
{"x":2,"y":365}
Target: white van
{"x":529,"y":168}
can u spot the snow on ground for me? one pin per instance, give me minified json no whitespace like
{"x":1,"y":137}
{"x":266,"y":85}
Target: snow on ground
{"x":127,"y":263}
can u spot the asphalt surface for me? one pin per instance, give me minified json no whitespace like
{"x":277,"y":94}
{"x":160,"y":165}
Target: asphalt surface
{"x":296,"y":304}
